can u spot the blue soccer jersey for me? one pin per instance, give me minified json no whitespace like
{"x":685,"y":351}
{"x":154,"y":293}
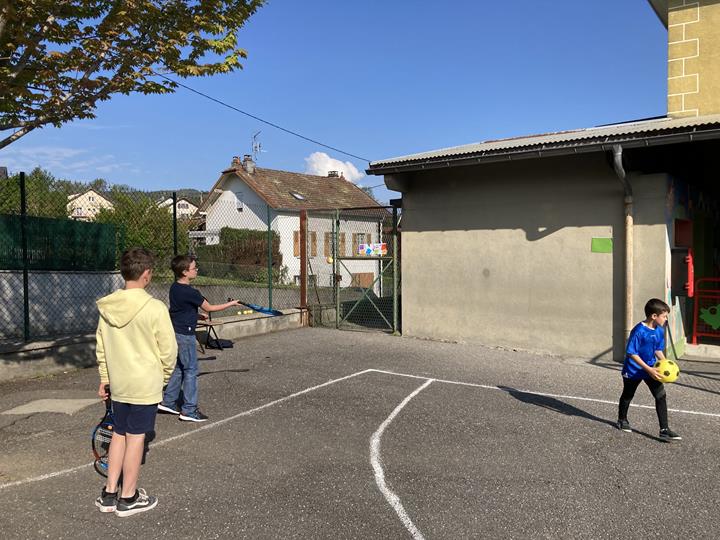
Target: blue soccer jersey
{"x":643,"y":341}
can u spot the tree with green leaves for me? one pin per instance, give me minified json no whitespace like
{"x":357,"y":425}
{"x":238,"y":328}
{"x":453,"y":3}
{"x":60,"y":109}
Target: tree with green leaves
{"x":60,"y":58}
{"x":45,"y":195}
{"x":141,"y":222}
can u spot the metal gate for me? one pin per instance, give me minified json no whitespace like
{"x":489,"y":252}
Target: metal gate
{"x":353,"y":270}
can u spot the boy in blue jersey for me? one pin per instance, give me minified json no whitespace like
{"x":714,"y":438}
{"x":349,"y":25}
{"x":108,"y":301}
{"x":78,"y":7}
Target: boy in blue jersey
{"x":645,"y":347}
{"x":184,"y":303}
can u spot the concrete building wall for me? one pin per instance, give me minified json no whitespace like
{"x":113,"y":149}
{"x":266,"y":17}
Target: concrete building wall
{"x":501,"y":253}
{"x":693,"y":57}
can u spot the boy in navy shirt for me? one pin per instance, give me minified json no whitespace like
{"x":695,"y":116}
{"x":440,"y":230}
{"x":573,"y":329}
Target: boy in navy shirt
{"x":645,"y":347}
{"x":184,"y":303}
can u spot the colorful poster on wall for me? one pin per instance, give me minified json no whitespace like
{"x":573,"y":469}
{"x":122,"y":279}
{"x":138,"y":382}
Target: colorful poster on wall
{"x":372,"y":250}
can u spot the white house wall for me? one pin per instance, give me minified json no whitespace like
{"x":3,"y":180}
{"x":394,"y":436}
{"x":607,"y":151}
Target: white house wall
{"x":224,"y":213}
{"x":319,"y":265}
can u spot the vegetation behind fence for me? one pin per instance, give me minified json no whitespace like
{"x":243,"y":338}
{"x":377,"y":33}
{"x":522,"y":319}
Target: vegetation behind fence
{"x":61,"y":241}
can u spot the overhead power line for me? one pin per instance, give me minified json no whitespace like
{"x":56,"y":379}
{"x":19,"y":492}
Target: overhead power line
{"x":260,"y":119}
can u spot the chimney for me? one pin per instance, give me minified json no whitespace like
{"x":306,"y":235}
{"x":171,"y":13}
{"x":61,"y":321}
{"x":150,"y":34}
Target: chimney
{"x":693,"y":56}
{"x":333,"y":174}
{"x":248,"y":163}
{"x":235,"y":161}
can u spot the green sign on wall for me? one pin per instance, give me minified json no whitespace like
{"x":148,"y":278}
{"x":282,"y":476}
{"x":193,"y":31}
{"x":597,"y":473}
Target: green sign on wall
{"x":601,"y":245}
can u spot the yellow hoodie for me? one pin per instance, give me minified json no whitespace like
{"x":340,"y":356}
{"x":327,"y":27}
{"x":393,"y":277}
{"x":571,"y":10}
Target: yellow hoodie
{"x":136,"y":347}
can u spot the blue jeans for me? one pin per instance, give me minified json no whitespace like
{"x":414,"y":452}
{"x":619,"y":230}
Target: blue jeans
{"x":184,"y":376}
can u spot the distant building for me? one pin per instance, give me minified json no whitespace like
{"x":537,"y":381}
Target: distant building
{"x":185,"y":208}
{"x":85,"y":206}
{"x":246,"y":196}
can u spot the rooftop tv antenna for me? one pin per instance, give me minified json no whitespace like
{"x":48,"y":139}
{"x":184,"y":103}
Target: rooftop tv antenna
{"x":256,"y":146}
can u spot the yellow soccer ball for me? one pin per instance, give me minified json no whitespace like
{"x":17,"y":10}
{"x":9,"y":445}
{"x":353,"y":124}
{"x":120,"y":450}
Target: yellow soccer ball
{"x":669,"y":370}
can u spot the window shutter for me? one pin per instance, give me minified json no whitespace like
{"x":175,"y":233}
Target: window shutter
{"x":313,"y":244}
{"x":328,"y":245}
{"x":341,"y":245}
{"x":296,"y":243}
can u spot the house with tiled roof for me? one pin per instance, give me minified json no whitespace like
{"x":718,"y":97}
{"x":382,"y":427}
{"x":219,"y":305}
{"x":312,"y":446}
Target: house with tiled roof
{"x":85,"y":206}
{"x":249,"y":197}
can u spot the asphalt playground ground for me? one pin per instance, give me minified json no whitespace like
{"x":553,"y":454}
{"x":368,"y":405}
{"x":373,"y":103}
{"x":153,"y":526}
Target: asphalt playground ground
{"x":318,"y":433}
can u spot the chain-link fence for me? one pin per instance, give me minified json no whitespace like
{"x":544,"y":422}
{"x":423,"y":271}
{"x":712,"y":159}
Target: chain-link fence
{"x":61,"y":241}
{"x":353,"y":268}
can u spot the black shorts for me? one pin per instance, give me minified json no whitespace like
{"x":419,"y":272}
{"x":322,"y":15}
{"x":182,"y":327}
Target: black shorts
{"x":133,"y":419}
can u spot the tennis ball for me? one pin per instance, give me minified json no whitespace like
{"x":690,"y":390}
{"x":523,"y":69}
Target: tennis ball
{"x":330,"y":260}
{"x":669,"y":370}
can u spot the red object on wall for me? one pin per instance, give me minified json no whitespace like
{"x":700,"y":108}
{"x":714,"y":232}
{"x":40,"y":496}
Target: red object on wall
{"x":706,"y":314}
{"x":690,"y":283}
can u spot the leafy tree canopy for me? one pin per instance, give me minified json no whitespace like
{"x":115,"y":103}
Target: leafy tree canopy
{"x":59,"y":58}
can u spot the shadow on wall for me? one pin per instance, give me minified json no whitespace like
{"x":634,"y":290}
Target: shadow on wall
{"x":19,"y":361}
{"x":539,"y":197}
{"x":63,"y":303}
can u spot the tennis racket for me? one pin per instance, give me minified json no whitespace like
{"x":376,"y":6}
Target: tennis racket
{"x":101,"y":436}
{"x":259,"y":309}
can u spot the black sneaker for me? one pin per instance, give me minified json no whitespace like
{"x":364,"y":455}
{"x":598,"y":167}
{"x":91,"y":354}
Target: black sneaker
{"x":166,"y":409}
{"x":624,"y":425}
{"x":106,"y":502}
{"x":669,"y":435}
{"x":142,"y":503}
{"x":196,"y":416}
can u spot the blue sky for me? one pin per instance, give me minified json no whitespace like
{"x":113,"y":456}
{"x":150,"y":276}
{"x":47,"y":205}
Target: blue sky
{"x":377,"y":79}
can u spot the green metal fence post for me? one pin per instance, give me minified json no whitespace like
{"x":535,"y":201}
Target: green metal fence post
{"x":336,"y":266}
{"x":395,"y":271}
{"x":175,"y":241}
{"x":269,"y":267}
{"x":23,"y":244}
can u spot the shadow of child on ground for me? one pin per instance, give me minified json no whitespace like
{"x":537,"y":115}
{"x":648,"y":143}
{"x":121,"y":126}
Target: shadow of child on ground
{"x":556,"y":405}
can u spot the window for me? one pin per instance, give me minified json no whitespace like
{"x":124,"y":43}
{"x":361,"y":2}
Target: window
{"x":183,"y":205}
{"x":239,"y":201}
{"x":91,"y":198}
{"x":297,"y":195}
{"x":360,"y":238}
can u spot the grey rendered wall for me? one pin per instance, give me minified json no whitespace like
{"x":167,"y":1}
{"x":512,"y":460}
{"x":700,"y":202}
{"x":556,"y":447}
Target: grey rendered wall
{"x":500,"y":253}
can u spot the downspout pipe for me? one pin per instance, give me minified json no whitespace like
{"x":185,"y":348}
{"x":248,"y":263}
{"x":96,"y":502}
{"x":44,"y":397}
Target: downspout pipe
{"x":617,"y":151}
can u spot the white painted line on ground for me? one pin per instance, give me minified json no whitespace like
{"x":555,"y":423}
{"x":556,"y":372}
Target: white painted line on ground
{"x":560,"y":396}
{"x":376,"y":463}
{"x":188,"y":433}
{"x":45,"y":476}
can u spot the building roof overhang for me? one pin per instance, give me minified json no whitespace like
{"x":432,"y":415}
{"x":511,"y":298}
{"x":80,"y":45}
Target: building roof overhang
{"x":646,"y":133}
{"x":661,"y":10}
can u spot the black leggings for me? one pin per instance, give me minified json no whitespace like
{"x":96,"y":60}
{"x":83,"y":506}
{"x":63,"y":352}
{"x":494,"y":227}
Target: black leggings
{"x":658,"y":392}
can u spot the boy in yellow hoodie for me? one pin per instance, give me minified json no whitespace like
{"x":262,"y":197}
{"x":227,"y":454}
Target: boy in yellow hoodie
{"x":136,"y":353}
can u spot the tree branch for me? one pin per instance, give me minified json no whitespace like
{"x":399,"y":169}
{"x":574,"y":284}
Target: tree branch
{"x":15,"y":136}
{"x":31,"y":48}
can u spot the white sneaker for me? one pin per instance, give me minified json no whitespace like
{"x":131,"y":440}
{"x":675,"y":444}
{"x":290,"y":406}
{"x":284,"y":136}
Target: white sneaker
{"x":166,"y":409}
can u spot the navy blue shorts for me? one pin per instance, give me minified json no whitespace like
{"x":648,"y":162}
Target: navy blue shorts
{"x":133,"y":419}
